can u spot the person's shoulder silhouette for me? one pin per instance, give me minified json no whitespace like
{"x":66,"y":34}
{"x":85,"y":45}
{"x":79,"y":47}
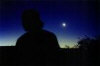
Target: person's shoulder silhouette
{"x":36,"y":43}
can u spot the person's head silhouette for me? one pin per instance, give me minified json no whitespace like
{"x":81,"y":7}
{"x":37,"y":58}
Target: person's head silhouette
{"x":31,"y":20}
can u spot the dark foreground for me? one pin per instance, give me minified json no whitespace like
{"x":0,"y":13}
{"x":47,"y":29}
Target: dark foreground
{"x":72,"y":57}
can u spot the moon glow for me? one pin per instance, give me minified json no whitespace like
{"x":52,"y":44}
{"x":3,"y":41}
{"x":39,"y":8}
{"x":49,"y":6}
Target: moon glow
{"x":63,"y":24}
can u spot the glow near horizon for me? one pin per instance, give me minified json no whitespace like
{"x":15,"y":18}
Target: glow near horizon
{"x":62,"y":43}
{"x":11,"y":41}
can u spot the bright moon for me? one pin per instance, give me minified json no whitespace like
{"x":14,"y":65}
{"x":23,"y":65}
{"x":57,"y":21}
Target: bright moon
{"x":64,"y":24}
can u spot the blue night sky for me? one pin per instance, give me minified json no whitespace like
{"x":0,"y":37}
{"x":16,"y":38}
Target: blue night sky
{"x":78,"y":16}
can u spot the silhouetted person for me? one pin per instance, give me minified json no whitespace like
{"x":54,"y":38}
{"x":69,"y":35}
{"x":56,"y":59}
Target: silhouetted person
{"x":36,"y":46}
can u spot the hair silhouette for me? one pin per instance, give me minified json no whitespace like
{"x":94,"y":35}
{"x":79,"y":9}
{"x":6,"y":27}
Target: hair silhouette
{"x":36,"y":46}
{"x":31,"y":20}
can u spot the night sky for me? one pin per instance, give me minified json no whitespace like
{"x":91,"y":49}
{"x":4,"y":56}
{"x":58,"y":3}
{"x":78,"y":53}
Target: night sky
{"x":68,"y":20}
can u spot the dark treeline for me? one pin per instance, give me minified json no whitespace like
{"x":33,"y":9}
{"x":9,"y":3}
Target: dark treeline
{"x":91,"y":46}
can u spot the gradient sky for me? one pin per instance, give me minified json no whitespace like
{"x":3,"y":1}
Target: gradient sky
{"x":79,"y":16}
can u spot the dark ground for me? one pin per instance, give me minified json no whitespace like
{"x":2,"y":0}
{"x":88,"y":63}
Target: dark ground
{"x":74,"y":57}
